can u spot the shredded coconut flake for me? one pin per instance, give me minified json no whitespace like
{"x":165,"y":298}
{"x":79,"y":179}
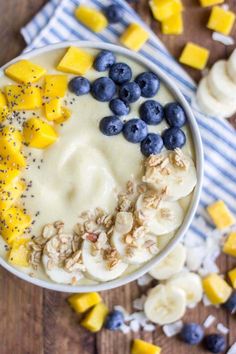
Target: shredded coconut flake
{"x":172,"y":329}
{"x":149,"y":327}
{"x":232,"y":350}
{"x":206,"y":301}
{"x":134,"y":326}
{"x":125,"y":329}
{"x":222,"y":329}
{"x":144,"y":280}
{"x":138,"y":304}
{"x":123,"y":311}
{"x":226,"y":40}
{"x":209,"y":321}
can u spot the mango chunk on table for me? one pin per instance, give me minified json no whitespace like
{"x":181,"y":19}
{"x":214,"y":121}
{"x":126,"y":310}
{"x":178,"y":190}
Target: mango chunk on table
{"x":220,"y":214}
{"x":95,"y":318}
{"x":66,"y":114}
{"x":230,"y":244}
{"x":10,"y":144}
{"x":82,"y":302}
{"x":221,"y":20}
{"x":39,"y":134}
{"x":76,"y":61}
{"x":25,"y":71}
{"x":91,"y":18}
{"x":141,"y":347}
{"x":216,"y":289}
{"x":195,"y":56}
{"x":10,"y":194}
{"x":173,"y":24}
{"x":53,"y":109}
{"x":55,"y":85}
{"x":22,"y":97}
{"x":18,"y":256}
{"x":134,"y":37}
{"x":232,"y":277}
{"x":163,"y":9}
{"x":206,"y":3}
{"x":7,"y":175}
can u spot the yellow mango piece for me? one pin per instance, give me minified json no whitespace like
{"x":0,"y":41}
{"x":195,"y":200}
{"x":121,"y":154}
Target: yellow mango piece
{"x":232,"y":277}
{"x":220,"y":214}
{"x":221,"y":20}
{"x":55,"y":85}
{"x":216,"y":289}
{"x":82,"y":302}
{"x":96,"y":317}
{"x":7,"y":175}
{"x":173,"y":24}
{"x":141,"y":347}
{"x":12,"y":135}
{"x":163,"y":9}
{"x":39,"y":134}
{"x":4,"y":111}
{"x":195,"y":56}
{"x":10,"y":144}
{"x":18,"y":256}
{"x":134,"y":37}
{"x":25,"y":72}
{"x":3,"y":100}
{"x":66,"y":113}
{"x":206,"y":3}
{"x":76,"y":61}
{"x":91,"y":18}
{"x":230,"y":244}
{"x":53,"y":109}
{"x":13,"y":223}
{"x":21,"y":97}
{"x":10,"y":194}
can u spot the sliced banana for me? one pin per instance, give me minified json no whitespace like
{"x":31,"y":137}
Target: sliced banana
{"x":163,"y":240}
{"x":165,"y":304}
{"x":96,"y":266}
{"x":191,"y":284}
{"x":124,"y":222}
{"x":172,"y":264}
{"x":231,"y":66}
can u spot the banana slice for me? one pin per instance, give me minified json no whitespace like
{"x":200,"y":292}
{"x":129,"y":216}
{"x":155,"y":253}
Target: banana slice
{"x":96,"y":267}
{"x":165,"y":304}
{"x":163,"y":240}
{"x":231,"y":66}
{"x":172,"y":264}
{"x":191,"y":284}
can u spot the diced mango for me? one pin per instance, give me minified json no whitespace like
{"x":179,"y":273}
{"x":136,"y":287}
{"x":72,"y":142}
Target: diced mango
{"x":25,"y":72}
{"x":39,"y":134}
{"x":134,"y":37}
{"x":82,"y":302}
{"x":12,"y":135}
{"x":91,"y":18}
{"x":163,"y":9}
{"x":21,"y":97}
{"x":53,"y":109}
{"x":13,"y":223}
{"x":4,"y":111}
{"x":96,"y":317}
{"x":141,"y":347}
{"x":66,"y":113}
{"x":55,"y":85}
{"x":195,"y":56}
{"x":10,"y":194}
{"x":221,"y":20}
{"x":76,"y":61}
{"x":10,"y":144}
{"x":3,"y":100}
{"x":173,"y":24}
{"x":216,"y":289}
{"x":7,"y":175}
{"x":232,"y":277}
{"x":206,"y":3}
{"x":230,"y":244}
{"x":18,"y":256}
{"x":220,"y":215}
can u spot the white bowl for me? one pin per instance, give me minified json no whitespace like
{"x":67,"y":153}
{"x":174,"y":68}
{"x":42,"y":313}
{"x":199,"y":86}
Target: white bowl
{"x":199,"y":165}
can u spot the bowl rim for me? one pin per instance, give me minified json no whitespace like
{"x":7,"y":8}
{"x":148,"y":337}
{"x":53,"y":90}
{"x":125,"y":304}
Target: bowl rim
{"x":198,"y":149}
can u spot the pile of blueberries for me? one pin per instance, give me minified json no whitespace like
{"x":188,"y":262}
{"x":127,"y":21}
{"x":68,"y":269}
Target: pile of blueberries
{"x":151,"y":112}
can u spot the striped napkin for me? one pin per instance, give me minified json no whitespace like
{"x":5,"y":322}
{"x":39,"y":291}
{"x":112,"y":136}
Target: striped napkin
{"x":56,"y":23}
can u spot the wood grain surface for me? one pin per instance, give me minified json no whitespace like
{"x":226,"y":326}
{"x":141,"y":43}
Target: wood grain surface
{"x":37,"y":321}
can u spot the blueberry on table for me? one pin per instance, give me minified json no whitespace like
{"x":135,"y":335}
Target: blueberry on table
{"x":175,"y":115}
{"x":120,"y":73}
{"x":79,"y":85}
{"x":114,"y":13}
{"x":151,"y":112}
{"x":119,"y":107}
{"x":230,"y":304}
{"x":111,"y":125}
{"x":114,"y":320}
{"x":130,"y":92}
{"x":103,"y":89}
{"x":149,"y":84}
{"x":135,"y":130}
{"x":215,"y":343}
{"x":152,"y":144}
{"x":173,"y":138}
{"x":192,"y":333}
{"x":104,"y":60}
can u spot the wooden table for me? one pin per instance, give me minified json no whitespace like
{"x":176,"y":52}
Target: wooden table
{"x":36,"y":321}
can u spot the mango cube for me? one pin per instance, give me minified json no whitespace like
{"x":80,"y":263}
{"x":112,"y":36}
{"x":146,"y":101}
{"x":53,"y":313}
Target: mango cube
{"x":10,"y":143}
{"x":91,"y":18}
{"x":220,"y":215}
{"x":173,"y":24}
{"x":3,"y":100}
{"x":66,"y":113}
{"x":232,"y":277}
{"x":39,"y":134}
{"x":10,"y":194}
{"x":206,"y":3}
{"x":134,"y":37}
{"x":13,"y":223}
{"x":96,"y":317}
{"x":216,"y":289}
{"x":163,"y":9}
{"x":76,"y":61}
{"x":221,"y":20}
{"x":195,"y":56}
{"x":141,"y":347}
{"x":18,"y":256}
{"x":25,"y":72}
{"x":53,"y":109}
{"x":21,"y":97}
{"x":230,"y":244}
{"x":55,"y":85}
{"x":3,"y":107}
{"x":12,"y":135}
{"x":7,"y":175}
{"x":82,"y":302}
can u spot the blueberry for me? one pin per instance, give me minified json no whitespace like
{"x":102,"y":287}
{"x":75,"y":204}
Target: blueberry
{"x":135,"y":130}
{"x":114,"y":320}
{"x":230,"y":304}
{"x":152,"y":144}
{"x":119,"y":107}
{"x":192,"y":333}
{"x":79,"y":85}
{"x":120,"y":73}
{"x":111,"y":125}
{"x":215,"y":343}
{"x":114,"y":13}
{"x":130,"y":92}
{"x":151,"y":112}
{"x":149,"y":84}
{"x":103,"y":89}
{"x":173,"y":138}
{"x":175,"y":115}
{"x":104,"y":60}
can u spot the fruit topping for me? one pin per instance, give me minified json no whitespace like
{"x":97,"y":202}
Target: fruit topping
{"x":174,"y":114}
{"x":152,"y":144}
{"x":135,"y":130}
{"x":149,"y":84}
{"x":76,"y":61}
{"x":151,"y":112}
{"x":173,"y":138}
{"x":111,"y":125}
{"x":79,"y":85}
{"x":120,"y":73}
{"x":103,"y":89}
{"x":130,"y":92}
{"x":25,"y":72}
{"x":104,"y":60}
{"x":119,"y":107}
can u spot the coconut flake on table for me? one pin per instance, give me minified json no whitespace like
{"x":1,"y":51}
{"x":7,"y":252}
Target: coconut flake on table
{"x":195,"y":257}
{"x":172,"y":329}
{"x":134,"y":326}
{"x":123,"y":311}
{"x":222,"y":329}
{"x":226,"y":40}
{"x":206,"y":301}
{"x":124,"y":328}
{"x":232,"y":349}
{"x":149,"y":327}
{"x":138,"y":304}
{"x":209,"y":321}
{"x":144,"y":280}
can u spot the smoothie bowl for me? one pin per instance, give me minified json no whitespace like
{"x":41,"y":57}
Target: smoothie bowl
{"x":101,"y":166}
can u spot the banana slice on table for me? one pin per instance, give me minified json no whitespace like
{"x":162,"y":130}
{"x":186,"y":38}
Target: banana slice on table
{"x":191,"y":284}
{"x":165,"y":304}
{"x":172,"y":264}
{"x":231,"y":66}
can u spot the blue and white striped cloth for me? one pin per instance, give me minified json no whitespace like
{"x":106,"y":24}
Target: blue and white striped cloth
{"x":56,"y":23}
